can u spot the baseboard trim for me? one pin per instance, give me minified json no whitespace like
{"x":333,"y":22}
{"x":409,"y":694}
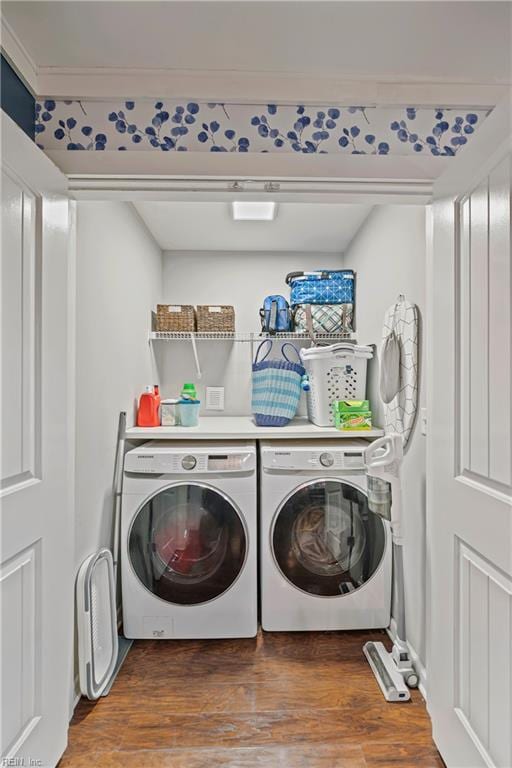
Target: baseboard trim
{"x":75,"y":695}
{"x":418,"y":664}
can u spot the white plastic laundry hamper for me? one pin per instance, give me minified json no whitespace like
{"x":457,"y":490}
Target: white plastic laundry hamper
{"x":97,"y":623}
{"x":336,"y":372}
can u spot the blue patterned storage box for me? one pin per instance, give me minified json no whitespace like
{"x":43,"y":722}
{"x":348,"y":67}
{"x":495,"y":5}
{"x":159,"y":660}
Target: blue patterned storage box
{"x":321,"y":287}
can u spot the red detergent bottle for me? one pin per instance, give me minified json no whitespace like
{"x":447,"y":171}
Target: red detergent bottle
{"x":147,"y":413}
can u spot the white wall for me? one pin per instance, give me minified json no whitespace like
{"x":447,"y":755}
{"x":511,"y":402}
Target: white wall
{"x":226,"y":277}
{"x":389,"y":256}
{"x":119,"y":274}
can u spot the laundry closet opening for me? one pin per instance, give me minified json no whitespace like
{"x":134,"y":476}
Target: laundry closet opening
{"x":134,"y":256}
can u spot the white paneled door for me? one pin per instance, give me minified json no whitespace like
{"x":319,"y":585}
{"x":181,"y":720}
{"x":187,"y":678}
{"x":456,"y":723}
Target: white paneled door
{"x":36,"y":516}
{"x":470,"y":454}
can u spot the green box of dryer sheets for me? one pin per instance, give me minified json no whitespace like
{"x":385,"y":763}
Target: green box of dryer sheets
{"x":356,"y":420}
{"x":351,"y":406}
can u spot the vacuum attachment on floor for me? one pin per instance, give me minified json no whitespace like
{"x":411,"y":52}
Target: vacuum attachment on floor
{"x":393,"y":670}
{"x":386,"y":672}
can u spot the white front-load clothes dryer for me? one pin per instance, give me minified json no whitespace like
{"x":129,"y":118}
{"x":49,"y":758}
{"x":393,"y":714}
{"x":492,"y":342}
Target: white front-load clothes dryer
{"x":188,"y":535}
{"x":325,"y":556}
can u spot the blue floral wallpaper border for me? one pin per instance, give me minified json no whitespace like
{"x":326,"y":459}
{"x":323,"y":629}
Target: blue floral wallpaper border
{"x":200,"y":127}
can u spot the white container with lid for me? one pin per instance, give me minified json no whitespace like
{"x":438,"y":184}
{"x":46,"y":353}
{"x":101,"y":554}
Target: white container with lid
{"x":335,"y":372}
{"x":169,"y":412}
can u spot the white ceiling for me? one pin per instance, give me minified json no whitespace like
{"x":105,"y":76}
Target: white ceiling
{"x":313,"y":227}
{"x":441,"y":40}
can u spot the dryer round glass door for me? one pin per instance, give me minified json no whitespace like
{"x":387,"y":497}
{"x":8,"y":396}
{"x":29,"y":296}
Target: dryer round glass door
{"x":325,"y":540}
{"x":187,"y":544}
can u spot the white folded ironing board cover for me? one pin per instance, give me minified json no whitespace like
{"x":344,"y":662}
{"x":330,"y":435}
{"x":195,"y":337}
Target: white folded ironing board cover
{"x":400,"y":413}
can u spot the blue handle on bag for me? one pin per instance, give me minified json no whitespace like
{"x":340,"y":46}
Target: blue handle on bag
{"x":270,"y":345}
{"x":256,"y":356}
{"x":289,"y":344}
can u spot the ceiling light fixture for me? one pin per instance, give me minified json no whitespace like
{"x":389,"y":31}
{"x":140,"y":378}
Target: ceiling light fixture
{"x":253,"y":211}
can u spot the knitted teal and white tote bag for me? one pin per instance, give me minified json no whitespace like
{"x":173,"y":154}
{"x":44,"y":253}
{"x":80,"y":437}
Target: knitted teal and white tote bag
{"x":276,"y":387}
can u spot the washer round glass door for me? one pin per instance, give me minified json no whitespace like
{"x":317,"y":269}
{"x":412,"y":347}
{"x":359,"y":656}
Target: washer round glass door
{"x":325,"y":539}
{"x":187,"y":544}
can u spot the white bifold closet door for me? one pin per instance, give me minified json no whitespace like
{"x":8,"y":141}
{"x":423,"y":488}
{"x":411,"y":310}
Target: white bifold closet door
{"x":470,"y":454}
{"x":36,"y":517}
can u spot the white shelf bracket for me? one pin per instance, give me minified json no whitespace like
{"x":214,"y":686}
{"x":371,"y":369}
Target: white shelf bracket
{"x":154,"y":364}
{"x":196,"y":356}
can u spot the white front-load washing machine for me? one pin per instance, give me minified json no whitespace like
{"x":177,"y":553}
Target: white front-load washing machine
{"x":188,"y":534}
{"x":325,"y":556}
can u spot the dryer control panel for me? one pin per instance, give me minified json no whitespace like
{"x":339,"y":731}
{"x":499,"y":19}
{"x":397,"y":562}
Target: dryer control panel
{"x":323,"y":457}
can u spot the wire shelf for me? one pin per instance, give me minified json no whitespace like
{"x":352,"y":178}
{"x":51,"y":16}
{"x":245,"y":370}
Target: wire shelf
{"x":242,"y":337}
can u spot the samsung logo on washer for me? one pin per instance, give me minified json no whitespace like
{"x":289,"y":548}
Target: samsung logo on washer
{"x":145,"y":456}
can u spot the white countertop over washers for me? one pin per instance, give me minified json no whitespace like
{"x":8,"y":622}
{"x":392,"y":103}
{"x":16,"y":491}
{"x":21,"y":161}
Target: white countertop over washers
{"x":244,"y":428}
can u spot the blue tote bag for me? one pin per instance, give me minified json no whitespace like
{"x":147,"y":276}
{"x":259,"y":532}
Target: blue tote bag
{"x":276,"y":387}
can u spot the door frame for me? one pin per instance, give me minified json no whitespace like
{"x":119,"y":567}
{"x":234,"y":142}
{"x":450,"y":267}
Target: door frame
{"x":400,"y":188}
{"x":327,"y":179}
{"x":157,"y":177}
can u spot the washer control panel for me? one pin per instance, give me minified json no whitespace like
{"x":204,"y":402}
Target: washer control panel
{"x":153,"y":459}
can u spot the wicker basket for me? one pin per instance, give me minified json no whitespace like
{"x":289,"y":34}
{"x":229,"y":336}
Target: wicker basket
{"x":219,"y":319}
{"x":175,"y":317}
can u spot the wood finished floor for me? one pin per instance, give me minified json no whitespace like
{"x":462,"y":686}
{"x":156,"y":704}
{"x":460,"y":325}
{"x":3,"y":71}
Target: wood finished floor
{"x":292,"y":700}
